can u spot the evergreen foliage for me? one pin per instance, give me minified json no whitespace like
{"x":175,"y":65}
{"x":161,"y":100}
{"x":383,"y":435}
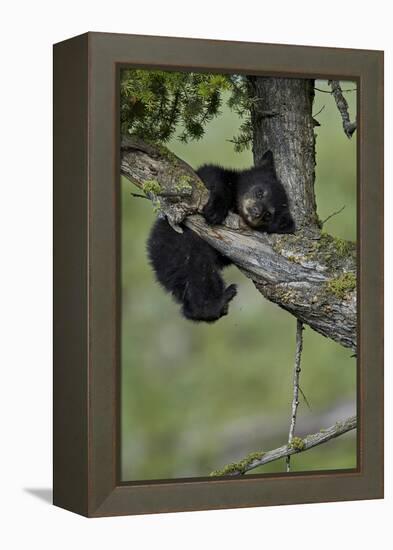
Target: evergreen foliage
{"x":155,"y":104}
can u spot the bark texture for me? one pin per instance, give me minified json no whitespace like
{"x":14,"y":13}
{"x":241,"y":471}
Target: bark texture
{"x":309,"y":274}
{"x":314,"y":279}
{"x":167,"y":180}
{"x":282,"y":121}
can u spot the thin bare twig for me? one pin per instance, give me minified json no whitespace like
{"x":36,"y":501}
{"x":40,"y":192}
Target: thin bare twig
{"x":296,"y":379}
{"x":305,"y":398}
{"x":254,"y":460}
{"x":319,"y":112}
{"x":330,"y":91}
{"x":333,"y":214}
{"x":140,"y":196}
{"x":342,"y":106}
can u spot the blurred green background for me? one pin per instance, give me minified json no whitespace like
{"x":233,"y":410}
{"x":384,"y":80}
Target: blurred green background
{"x":195,"y":397}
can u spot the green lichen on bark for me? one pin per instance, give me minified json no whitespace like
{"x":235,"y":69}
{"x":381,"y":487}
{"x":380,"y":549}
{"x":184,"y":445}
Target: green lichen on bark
{"x":331,"y":251}
{"x":286,"y":296}
{"x":184,"y":184}
{"x":341,"y":286}
{"x":332,"y":254}
{"x":151,"y":186}
{"x":238,"y":467}
{"x":297,"y":444}
{"x":330,"y":244}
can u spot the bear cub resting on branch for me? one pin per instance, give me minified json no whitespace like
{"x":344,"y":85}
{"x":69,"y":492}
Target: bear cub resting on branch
{"x":187,"y":266}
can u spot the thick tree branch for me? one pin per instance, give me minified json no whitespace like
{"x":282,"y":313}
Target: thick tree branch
{"x":166,"y":179}
{"x":309,"y":275}
{"x":298,"y":445}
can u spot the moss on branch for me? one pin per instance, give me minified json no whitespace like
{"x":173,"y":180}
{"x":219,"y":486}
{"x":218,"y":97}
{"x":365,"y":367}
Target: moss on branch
{"x":341,"y":286}
{"x":297,"y":445}
{"x":238,"y":467}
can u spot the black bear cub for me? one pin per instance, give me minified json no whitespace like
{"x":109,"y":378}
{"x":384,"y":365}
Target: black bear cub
{"x":187,"y":266}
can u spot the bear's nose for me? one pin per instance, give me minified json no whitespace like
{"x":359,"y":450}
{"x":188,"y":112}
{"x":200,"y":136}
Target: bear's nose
{"x":255,"y":212}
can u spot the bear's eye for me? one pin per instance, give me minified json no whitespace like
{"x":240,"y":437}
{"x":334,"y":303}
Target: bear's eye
{"x":267,"y":216}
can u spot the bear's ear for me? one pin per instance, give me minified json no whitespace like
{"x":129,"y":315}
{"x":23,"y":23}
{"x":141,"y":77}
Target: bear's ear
{"x":267,"y":159}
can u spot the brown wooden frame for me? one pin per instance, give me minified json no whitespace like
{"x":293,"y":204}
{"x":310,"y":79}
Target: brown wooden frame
{"x":86,"y":274}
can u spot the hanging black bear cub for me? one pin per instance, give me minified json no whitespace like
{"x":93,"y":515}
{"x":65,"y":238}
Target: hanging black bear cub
{"x":187,"y":266}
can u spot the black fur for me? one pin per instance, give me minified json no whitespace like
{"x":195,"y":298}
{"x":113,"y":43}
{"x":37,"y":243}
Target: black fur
{"x":187,"y":266}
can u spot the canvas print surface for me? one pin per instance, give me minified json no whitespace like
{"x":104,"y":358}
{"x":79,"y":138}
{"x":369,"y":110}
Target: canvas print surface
{"x":238,"y":275}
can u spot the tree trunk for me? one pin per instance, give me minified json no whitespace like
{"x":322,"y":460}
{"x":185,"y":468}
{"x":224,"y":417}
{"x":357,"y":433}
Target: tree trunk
{"x":281,"y":116}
